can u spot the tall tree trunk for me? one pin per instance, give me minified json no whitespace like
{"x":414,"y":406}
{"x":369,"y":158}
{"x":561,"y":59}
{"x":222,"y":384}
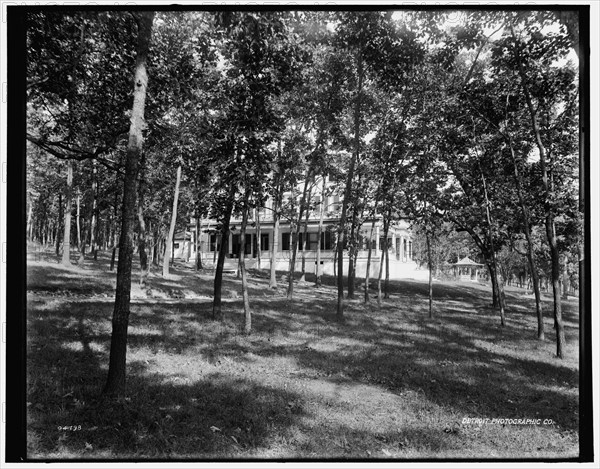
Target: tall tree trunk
{"x":217,"y":314}
{"x":247,"y":311}
{"x":115,"y":383}
{"x":94,"y":224}
{"x":258,"y":235}
{"x":386,"y":285}
{"x":368,"y":270}
{"x":494,"y":258}
{"x":78,"y":217}
{"x":58,"y":227}
{"x":274,"y":247}
{"x":549,"y":219}
{"x":114,"y":233}
{"x":29,"y":221}
{"x":318,"y":272}
{"x":530,"y":253}
{"x":565,"y":278}
{"x":352,"y":252}
{"x":304,"y":242}
{"x":197,"y":242}
{"x":144,"y":269}
{"x":384,"y":249}
{"x":348,"y":189}
{"x":290,"y":291}
{"x":172,"y":226}
{"x":185,"y":251}
{"x":430,"y":266}
{"x":66,"y":255}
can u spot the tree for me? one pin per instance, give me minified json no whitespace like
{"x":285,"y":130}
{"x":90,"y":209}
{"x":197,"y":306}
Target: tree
{"x":115,"y":383}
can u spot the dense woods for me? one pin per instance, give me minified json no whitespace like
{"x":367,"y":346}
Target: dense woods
{"x":464,"y":123}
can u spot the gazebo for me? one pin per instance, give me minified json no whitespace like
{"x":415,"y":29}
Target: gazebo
{"x":466,"y":270}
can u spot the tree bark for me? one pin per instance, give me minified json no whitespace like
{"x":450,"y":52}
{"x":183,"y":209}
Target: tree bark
{"x":217,"y":313}
{"x":494,"y":259}
{"x":290,"y":291}
{"x":304,"y":242}
{"x":114,"y":233}
{"x":565,"y":278}
{"x":384,"y":249}
{"x":352,"y":252}
{"x":60,"y":220}
{"x":528,"y":237}
{"x":348,"y":190}
{"x":274,"y":250}
{"x":172,"y":226}
{"x":430,"y":266}
{"x":549,"y":221}
{"x":318,"y":272}
{"x":247,"y":311}
{"x":66,"y":255}
{"x":78,"y":216}
{"x":94,"y":224}
{"x":144,"y":269}
{"x":258,"y":235}
{"x":368,"y":270}
{"x":115,"y":383}
{"x":197,"y":242}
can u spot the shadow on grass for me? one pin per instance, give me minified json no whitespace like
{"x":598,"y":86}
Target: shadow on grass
{"x":160,"y":417}
{"x":461,"y":362}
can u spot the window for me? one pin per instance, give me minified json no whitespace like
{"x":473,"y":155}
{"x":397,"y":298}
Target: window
{"x":175,"y":245}
{"x":235,"y":245}
{"x":248,"y":246}
{"x":311,"y":241}
{"x":335,"y":204}
{"x":215,"y":244}
{"x":264,"y":241}
{"x":285,"y":241}
{"x":326,"y":244}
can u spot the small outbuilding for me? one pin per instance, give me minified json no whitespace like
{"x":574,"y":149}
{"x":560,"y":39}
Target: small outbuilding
{"x":467,"y":270}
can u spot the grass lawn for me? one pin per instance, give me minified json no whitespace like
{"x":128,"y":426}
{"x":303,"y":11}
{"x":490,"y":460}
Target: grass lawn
{"x":387,"y":383}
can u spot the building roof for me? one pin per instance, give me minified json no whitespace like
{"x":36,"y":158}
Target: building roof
{"x":466,"y":262}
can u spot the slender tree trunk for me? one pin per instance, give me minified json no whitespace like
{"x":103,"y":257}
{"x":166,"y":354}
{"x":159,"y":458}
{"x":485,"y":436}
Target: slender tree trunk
{"x":386,"y":286}
{"x":115,"y":383}
{"x":83,"y":243}
{"x":185,"y":251}
{"x":115,"y":238}
{"x":530,"y":254}
{"x":144,"y":269}
{"x":549,"y":221}
{"x":318,"y":272}
{"x":258,"y":235}
{"x":348,"y":189}
{"x":58,"y":227}
{"x":499,"y":289}
{"x":352,"y":252}
{"x":304,"y":244}
{"x":172,"y":226}
{"x":29,"y":221}
{"x":78,"y":217}
{"x":217,"y":314}
{"x":247,"y":311}
{"x":368,"y":270}
{"x":384,"y":249}
{"x":430,"y":266}
{"x":66,"y":255}
{"x":565,"y":278}
{"x":290,"y":291}
{"x":197,"y":242}
{"x":274,"y":248}
{"x":94,"y":224}
{"x":335,"y":256}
